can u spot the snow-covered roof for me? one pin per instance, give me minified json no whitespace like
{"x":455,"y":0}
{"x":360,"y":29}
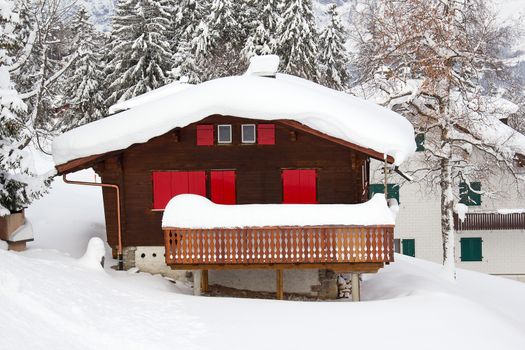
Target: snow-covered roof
{"x":166,"y":90}
{"x":334,"y":113}
{"x":193,"y":211}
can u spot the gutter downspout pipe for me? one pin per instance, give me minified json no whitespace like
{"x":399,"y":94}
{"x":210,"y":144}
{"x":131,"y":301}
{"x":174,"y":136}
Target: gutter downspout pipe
{"x":120,"y":256}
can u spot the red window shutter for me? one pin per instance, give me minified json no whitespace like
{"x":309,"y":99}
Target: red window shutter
{"x":223,"y":187}
{"x":266,"y":134}
{"x":197,"y":183}
{"x":308,"y":185}
{"x":161,"y":189}
{"x":299,"y":186}
{"x":179,"y":183}
{"x":168,"y":184}
{"x":205,"y":135}
{"x":291,"y":189}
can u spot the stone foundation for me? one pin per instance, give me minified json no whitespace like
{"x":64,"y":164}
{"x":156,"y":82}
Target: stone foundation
{"x":311,"y":284}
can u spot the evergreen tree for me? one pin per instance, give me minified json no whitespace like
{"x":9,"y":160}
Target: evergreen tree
{"x":333,"y":57}
{"x":298,"y":39}
{"x":218,"y":41}
{"x":186,"y":16}
{"x":83,"y":87}
{"x":18,"y":183}
{"x":141,"y":56}
{"x":263,"y":37}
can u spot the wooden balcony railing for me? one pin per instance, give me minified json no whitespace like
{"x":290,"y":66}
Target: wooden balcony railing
{"x":490,"y":221}
{"x":280,"y":245}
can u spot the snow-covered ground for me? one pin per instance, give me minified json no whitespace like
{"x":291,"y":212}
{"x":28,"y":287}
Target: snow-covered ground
{"x":52,"y":300}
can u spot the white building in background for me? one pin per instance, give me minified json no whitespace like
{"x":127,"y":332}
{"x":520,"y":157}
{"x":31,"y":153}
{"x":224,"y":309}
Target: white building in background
{"x":491,"y":239}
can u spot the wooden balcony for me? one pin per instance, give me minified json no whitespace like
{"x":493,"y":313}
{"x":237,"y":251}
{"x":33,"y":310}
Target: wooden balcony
{"x":342,"y":248}
{"x":490,"y":221}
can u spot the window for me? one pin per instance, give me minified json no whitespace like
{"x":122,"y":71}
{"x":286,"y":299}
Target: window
{"x":299,"y":186}
{"x":204,"y":135}
{"x":223,"y":187}
{"x":409,"y":247}
{"x":224,"y":133}
{"x":393,"y":190}
{"x":470,"y":193}
{"x":266,"y":133}
{"x":420,"y":142}
{"x":397,"y":245}
{"x":471,"y":249}
{"x":168,"y":184}
{"x":248,"y":133}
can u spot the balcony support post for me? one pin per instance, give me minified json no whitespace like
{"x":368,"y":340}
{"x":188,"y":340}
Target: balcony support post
{"x":197,"y":279}
{"x":205,"y":286}
{"x":280,"y":291}
{"x":356,"y":293}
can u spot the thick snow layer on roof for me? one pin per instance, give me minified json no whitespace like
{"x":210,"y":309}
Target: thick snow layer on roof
{"x":284,"y":97}
{"x":166,"y":90}
{"x":192,"y":211}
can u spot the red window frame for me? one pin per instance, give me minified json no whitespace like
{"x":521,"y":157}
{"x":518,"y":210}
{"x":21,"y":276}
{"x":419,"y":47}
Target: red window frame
{"x":168,"y":184}
{"x":299,"y":186}
{"x":205,"y":135}
{"x":223,"y":187}
{"x":266,"y":134}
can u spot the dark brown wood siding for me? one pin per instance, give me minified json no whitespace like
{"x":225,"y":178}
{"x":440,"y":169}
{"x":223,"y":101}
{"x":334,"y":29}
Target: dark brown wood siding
{"x":258,"y":172}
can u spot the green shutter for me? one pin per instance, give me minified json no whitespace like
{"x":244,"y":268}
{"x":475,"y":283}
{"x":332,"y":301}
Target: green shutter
{"x":409,"y":247}
{"x":420,"y":142}
{"x":393,"y":190}
{"x":470,"y":195}
{"x":471,"y":249}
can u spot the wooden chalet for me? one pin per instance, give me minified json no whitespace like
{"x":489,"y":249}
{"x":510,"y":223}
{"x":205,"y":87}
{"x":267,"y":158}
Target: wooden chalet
{"x":233,"y":160}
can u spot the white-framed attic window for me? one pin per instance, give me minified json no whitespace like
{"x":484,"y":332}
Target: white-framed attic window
{"x":248,"y":133}
{"x":224,"y":133}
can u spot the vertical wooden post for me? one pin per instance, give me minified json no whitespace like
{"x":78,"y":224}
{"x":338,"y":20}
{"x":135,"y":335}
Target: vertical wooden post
{"x":197,"y":279}
{"x":385,"y":169}
{"x":280,"y":292}
{"x":204,"y":283}
{"x":356,"y":293}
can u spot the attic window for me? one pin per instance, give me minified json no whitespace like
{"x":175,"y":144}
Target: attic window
{"x":224,"y":133}
{"x":248,"y":133}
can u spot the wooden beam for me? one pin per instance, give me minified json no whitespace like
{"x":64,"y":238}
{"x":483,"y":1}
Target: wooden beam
{"x":83,"y":163}
{"x":368,"y":151}
{"x":204,"y":283}
{"x":338,"y":267}
{"x":280,"y":289}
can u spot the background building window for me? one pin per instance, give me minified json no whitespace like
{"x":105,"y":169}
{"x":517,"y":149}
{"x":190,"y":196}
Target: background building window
{"x":420,"y":142}
{"x":470,"y":193}
{"x":393,"y":190}
{"x":471,"y":249}
{"x":409,"y":247}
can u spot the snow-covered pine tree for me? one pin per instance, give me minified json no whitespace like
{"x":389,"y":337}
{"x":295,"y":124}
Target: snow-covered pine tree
{"x":440,"y":64}
{"x":262,"y":39}
{"x":333,"y":57}
{"x":18,"y":183}
{"x":83,"y":85}
{"x":141,"y":56}
{"x":218,"y":41}
{"x":187,"y":14}
{"x":297,"y":45}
